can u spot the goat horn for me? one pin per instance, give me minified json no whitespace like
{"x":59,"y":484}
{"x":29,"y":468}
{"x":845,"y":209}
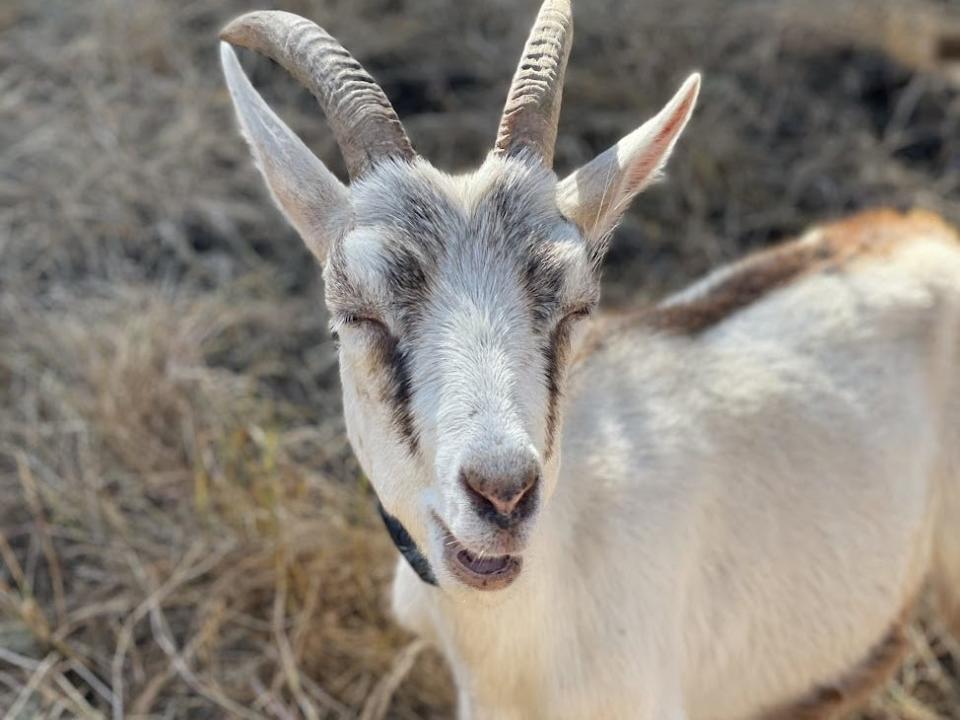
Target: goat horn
{"x":529,"y":120}
{"x":363,"y":121}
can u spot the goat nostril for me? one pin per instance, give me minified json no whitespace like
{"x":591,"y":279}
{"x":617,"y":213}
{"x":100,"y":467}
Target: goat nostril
{"x":471,"y":483}
{"x":526,"y":488}
{"x":501,"y":498}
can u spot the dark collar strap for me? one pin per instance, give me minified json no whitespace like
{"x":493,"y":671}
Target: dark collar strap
{"x":407,"y":547}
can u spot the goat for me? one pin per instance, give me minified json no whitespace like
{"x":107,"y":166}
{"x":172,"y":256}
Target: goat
{"x":759,"y":474}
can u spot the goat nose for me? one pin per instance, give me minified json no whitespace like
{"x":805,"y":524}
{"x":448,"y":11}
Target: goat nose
{"x":504,"y":498}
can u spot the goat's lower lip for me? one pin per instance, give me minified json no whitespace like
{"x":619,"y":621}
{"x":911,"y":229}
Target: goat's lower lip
{"x":480,"y":573}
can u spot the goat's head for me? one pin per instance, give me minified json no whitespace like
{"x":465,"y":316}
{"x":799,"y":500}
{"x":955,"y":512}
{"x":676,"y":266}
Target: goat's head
{"x":456,"y":298}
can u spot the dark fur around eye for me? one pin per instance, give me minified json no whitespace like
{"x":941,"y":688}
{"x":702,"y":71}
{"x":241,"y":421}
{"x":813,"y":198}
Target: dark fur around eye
{"x":555,"y":353}
{"x":576,"y":313}
{"x":365,"y":321}
{"x":579,"y":312}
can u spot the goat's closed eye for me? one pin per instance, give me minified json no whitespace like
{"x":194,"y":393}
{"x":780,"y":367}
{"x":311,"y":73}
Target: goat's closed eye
{"x":575,"y":314}
{"x":365,"y":323}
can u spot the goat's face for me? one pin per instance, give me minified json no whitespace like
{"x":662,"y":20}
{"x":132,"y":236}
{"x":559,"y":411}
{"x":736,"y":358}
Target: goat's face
{"x":457,"y":301}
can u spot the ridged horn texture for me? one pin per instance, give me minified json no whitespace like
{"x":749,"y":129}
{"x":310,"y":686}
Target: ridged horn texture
{"x":529,"y":120}
{"x":363,"y":121}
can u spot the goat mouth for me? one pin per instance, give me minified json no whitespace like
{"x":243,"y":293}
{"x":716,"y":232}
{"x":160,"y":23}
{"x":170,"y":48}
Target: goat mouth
{"x":481,"y":572}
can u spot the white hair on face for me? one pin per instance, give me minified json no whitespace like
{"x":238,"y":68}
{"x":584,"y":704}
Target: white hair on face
{"x":469,"y":273}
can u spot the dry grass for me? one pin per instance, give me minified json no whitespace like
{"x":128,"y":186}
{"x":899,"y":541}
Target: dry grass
{"x":183,"y":532}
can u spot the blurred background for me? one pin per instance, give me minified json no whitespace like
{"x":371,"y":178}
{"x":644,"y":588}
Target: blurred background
{"x":183,"y":530}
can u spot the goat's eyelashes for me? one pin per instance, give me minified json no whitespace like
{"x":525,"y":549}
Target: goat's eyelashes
{"x":574,"y":314}
{"x":365,"y":323}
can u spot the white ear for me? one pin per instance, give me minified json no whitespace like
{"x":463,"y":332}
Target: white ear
{"x":596,"y":195}
{"x":310,"y":196}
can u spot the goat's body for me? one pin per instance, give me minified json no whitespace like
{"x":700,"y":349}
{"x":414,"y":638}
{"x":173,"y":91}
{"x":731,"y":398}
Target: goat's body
{"x":746,"y":512}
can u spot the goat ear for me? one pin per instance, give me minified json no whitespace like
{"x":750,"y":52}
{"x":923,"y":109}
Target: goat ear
{"x":310,"y":196}
{"x":596,"y":195}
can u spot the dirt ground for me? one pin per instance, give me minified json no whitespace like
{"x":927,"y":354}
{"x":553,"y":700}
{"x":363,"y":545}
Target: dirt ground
{"x":183,"y":530}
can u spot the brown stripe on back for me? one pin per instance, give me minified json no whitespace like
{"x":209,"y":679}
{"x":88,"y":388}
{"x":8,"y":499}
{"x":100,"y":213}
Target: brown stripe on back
{"x":833,"y":247}
{"x":829,"y":248}
{"x":756,"y":277}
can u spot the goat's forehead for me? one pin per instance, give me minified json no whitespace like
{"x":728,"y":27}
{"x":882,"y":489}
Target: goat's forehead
{"x":412,"y":221}
{"x":396,"y":192}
